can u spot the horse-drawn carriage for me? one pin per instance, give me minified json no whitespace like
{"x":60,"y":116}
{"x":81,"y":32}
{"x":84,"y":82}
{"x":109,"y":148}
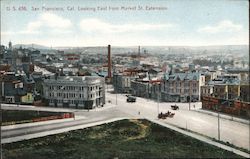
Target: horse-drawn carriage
{"x":165,"y":115}
{"x":174,"y":107}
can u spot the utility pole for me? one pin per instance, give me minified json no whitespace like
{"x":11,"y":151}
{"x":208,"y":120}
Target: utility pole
{"x":116,"y":90}
{"x":1,"y":116}
{"x":158,"y":106}
{"x":189,"y":95}
{"x":116,"y":77}
{"x":218,"y":122}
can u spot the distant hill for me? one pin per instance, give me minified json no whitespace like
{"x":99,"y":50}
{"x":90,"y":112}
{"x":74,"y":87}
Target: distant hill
{"x":35,"y":46}
{"x":216,"y":49}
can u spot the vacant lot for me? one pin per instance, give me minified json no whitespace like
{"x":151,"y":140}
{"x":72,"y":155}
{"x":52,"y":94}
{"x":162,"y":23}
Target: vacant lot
{"x":23,"y":116}
{"x":122,"y":139}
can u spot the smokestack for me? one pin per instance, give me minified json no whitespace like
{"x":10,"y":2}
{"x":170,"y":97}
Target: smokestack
{"x":109,"y":62}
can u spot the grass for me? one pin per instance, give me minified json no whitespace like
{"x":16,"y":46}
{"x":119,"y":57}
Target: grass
{"x":16,"y":116}
{"x":121,"y":139}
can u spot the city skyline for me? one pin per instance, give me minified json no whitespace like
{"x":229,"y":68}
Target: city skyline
{"x":93,"y":23}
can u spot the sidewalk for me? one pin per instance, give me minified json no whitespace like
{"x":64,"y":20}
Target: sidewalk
{"x":201,"y":138}
{"x":224,"y":116}
{"x":52,"y":132}
{"x":54,"y":109}
{"x":27,"y":125}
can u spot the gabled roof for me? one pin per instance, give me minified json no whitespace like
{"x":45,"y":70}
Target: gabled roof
{"x":182,"y":76}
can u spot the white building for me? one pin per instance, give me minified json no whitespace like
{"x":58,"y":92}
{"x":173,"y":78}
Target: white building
{"x":84,"y":92}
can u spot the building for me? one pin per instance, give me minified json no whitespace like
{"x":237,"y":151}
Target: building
{"x":245,"y":93}
{"x":14,"y":87}
{"x":211,"y":75}
{"x":233,"y":107}
{"x":244,"y":73}
{"x":207,"y":90}
{"x":155,"y":89}
{"x":150,"y":89}
{"x":122,"y":82}
{"x":228,"y":97}
{"x":86,"y":92}
{"x":220,"y":91}
{"x":229,"y":77}
{"x":140,"y":88}
{"x":182,"y":87}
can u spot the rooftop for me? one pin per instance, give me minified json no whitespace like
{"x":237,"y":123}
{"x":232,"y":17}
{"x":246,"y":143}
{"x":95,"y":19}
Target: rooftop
{"x":183,"y":76}
{"x":74,"y":79}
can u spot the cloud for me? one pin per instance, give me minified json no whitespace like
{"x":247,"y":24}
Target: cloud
{"x":46,"y":21}
{"x":53,"y":21}
{"x":96,"y":25}
{"x":32,"y":26}
{"x":10,"y":33}
{"x":223,"y":26}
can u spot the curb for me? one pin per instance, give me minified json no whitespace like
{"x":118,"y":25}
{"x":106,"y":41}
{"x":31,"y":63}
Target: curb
{"x":243,"y":121}
{"x":58,"y":131}
{"x":202,"y":138}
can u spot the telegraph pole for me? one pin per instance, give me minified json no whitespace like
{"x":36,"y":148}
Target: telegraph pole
{"x":189,"y":95}
{"x":158,"y":104}
{"x":1,"y":115}
{"x":158,"y":98}
{"x":116,"y":92}
{"x":218,"y":123}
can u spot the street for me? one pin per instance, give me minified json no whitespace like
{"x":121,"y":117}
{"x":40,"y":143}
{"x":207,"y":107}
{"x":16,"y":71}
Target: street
{"x":233,"y":132}
{"x":230,"y":131}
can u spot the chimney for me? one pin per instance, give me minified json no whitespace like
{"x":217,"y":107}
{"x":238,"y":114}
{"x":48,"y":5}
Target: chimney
{"x":109,"y":62}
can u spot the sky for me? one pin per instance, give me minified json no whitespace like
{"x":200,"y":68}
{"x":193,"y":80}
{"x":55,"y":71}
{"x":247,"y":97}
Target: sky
{"x":125,"y":22}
